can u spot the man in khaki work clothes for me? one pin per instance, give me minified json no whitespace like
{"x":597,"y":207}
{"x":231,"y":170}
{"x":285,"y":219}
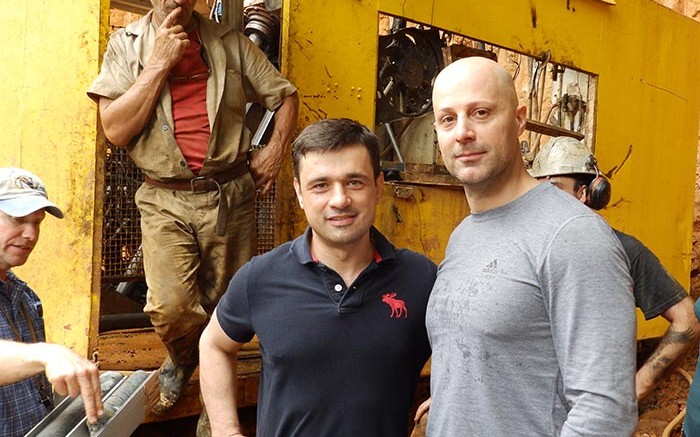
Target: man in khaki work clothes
{"x":172,"y":91}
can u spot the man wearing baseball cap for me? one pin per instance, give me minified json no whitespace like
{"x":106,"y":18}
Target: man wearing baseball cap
{"x":29,"y":366}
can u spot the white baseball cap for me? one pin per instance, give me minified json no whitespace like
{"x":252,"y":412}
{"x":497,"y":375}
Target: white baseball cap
{"x":22,"y":193}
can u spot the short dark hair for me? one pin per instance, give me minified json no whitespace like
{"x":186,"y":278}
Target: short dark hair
{"x":581,"y":180}
{"x":334,"y":134}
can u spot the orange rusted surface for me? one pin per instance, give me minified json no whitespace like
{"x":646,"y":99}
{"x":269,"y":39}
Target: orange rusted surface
{"x":133,"y":349}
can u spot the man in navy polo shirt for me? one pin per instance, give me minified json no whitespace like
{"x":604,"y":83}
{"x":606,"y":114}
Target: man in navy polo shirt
{"x":339,"y":312}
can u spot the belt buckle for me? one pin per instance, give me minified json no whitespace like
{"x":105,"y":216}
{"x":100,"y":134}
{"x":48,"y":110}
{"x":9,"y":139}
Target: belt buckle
{"x":200,"y":184}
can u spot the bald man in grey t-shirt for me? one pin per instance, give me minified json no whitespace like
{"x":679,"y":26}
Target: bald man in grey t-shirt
{"x":532,"y":319}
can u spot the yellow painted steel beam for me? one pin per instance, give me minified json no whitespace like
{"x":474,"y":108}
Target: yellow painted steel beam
{"x":329,"y":50}
{"x":643,"y":54}
{"x":421,"y":217}
{"x":49,"y":127}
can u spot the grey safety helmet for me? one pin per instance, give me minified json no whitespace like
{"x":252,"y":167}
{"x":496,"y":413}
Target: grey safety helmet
{"x":563,"y":156}
{"x":566,"y":156}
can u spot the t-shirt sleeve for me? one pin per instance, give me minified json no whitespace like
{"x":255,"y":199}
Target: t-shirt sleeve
{"x":233,"y":310}
{"x":115,"y":77}
{"x":588,"y":292}
{"x":655,"y":290}
{"x":267,"y":84}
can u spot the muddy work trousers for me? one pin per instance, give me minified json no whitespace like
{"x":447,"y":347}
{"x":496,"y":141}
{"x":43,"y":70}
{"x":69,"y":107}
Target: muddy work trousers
{"x":187,"y":265}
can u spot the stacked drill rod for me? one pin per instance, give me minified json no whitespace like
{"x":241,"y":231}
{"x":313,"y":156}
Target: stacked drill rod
{"x":125,"y":404}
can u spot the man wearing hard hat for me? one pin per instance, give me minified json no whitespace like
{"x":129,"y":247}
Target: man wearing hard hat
{"x":568,"y":164}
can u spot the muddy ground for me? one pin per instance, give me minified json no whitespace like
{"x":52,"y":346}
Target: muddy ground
{"x":657,"y":413}
{"x":666,"y":404}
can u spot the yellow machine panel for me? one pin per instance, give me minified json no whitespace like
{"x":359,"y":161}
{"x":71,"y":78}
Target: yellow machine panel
{"x":49,"y":127}
{"x":645,"y":124}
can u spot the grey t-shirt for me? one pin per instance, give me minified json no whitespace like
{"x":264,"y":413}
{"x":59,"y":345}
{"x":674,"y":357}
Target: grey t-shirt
{"x":532,"y":325}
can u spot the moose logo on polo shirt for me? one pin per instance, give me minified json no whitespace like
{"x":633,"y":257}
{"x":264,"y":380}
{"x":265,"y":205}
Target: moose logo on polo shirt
{"x":398,"y":306}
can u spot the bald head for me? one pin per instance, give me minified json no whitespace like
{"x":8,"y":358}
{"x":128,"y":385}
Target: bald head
{"x":478,"y":123}
{"x":475,"y":71}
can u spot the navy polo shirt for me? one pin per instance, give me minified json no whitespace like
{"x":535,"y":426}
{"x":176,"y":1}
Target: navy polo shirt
{"x":338,"y":360}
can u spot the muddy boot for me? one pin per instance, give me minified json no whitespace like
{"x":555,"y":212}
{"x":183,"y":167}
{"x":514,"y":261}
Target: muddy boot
{"x":203,"y":427}
{"x":172,"y":379}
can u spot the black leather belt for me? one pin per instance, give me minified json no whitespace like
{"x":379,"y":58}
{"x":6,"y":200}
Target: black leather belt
{"x":205,"y":184}
{"x":202,"y":184}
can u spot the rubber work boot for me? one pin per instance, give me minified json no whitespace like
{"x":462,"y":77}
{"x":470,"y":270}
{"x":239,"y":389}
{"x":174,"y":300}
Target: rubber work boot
{"x":172,"y":379}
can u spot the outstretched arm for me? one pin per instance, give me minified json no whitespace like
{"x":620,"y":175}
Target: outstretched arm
{"x":218,"y":379}
{"x":266,"y":163}
{"x":69,"y":374}
{"x":123,"y":118}
{"x":683,"y":332}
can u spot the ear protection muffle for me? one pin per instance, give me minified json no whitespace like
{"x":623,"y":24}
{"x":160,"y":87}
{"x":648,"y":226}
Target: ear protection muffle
{"x":599,"y":190}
